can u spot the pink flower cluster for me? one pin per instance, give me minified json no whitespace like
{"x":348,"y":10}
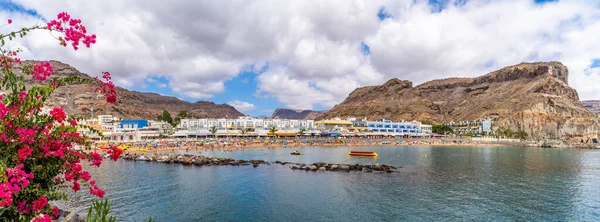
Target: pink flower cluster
{"x":107,"y":88}
{"x":22,"y":206}
{"x":42,"y":218}
{"x":74,"y":31}
{"x":24,"y":153}
{"x":94,"y":190}
{"x":8,"y":58}
{"x":39,"y":204}
{"x":36,"y":144}
{"x":58,"y":114}
{"x":17,"y":179}
{"x":3,"y":108}
{"x":96,"y":159}
{"x":114,"y":152}
{"x":26,"y":135}
{"x":42,"y":70}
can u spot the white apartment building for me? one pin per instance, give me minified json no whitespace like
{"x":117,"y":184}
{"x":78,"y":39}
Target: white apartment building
{"x":252,"y":126}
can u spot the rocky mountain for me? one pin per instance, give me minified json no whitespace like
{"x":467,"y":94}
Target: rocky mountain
{"x":592,"y":105}
{"x":533,"y":97}
{"x":78,"y":100}
{"x":295,"y":114}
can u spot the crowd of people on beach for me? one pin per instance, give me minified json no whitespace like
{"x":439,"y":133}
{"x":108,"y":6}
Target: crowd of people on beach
{"x":234,"y":144}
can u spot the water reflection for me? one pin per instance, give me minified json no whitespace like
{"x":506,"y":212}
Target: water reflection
{"x":436,"y":183}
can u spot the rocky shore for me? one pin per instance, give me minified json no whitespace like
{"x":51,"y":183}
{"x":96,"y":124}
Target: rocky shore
{"x":193,"y":160}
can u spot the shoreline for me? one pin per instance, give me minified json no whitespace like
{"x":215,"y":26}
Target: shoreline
{"x":236,"y":145}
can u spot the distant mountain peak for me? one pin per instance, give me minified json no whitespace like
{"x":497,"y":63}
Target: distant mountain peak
{"x":592,"y":105}
{"x":283,"y":113}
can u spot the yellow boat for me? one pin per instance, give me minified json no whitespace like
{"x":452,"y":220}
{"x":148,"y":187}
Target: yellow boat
{"x":362,"y":153}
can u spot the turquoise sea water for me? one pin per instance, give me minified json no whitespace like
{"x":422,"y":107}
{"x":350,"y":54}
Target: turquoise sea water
{"x":435,"y":184}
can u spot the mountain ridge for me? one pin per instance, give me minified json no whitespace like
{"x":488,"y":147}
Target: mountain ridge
{"x":592,"y":105}
{"x":532,"y":97}
{"x":283,"y":113}
{"x":78,"y":99}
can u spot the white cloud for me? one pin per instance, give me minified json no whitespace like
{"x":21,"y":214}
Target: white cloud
{"x":161,"y":85}
{"x":241,"y":105}
{"x":313,"y":48}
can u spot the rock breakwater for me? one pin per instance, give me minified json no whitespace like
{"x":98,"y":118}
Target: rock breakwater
{"x":198,"y":160}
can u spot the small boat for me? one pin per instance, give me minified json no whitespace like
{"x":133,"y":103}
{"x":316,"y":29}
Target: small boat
{"x":296,"y":153}
{"x":362,"y":153}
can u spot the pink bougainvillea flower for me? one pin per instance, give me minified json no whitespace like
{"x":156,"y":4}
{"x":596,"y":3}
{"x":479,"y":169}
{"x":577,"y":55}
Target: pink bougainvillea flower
{"x":96,"y":159}
{"x":76,"y":186}
{"x":43,"y":143}
{"x":42,"y":70}
{"x":42,"y":218}
{"x":39,"y":204}
{"x":114,"y":153}
{"x":55,"y":212}
{"x":107,"y":88}
{"x":24,"y":153}
{"x":58,"y":114}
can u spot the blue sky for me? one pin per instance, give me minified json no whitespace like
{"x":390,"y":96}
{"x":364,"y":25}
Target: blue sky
{"x":319,"y":66}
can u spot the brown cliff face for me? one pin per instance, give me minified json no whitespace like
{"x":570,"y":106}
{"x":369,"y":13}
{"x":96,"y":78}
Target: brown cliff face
{"x":78,"y":99}
{"x":533,"y":97}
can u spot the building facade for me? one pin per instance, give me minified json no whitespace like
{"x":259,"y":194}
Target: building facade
{"x":387,"y":127}
{"x":476,"y":127}
{"x":248,"y":125}
{"x":133,"y":124}
{"x":382,"y":127}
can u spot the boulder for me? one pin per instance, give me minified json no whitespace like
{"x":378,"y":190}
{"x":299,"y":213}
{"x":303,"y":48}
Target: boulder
{"x":187,"y":161}
{"x":344,"y":168}
{"x":313,"y":168}
{"x":333,"y":167}
{"x":377,"y":167}
{"x":255,"y":165}
{"x":322,"y":169}
{"x":71,"y":217}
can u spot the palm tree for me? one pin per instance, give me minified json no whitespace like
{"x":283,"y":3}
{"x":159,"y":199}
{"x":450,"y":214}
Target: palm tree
{"x":244,"y":131}
{"x":301,"y":132}
{"x":214,"y":130}
{"x":273,"y":130}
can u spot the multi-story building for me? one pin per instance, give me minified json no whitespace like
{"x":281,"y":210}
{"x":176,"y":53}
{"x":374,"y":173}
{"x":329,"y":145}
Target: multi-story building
{"x":133,"y":124}
{"x":356,"y":127}
{"x":387,"y":127}
{"x":138,"y":130}
{"x":334,"y":125}
{"x":248,"y":125}
{"x":477,"y":127}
